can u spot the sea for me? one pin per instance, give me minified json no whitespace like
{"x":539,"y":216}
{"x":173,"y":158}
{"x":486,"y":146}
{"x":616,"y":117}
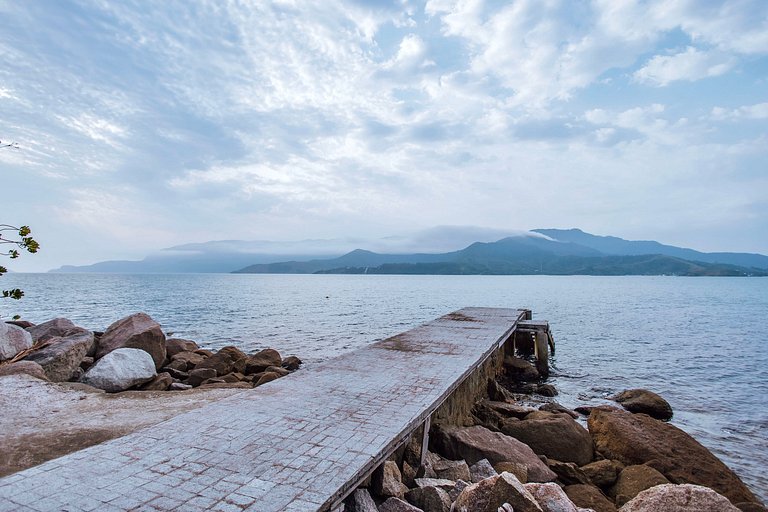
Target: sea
{"x":700,"y":342}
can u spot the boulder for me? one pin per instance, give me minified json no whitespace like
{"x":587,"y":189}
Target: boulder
{"x":387,"y":481}
{"x":551,"y":497}
{"x":56,"y":328}
{"x":751,"y":507}
{"x":87,"y":362}
{"x":134,"y":331}
{"x":645,"y":402}
{"x":429,"y":499}
{"x":262,"y":360}
{"x":121,"y":369}
{"x":481,"y":470}
{"x":519,"y":470}
{"x":679,"y":498}
{"x":278,"y":370}
{"x":360,"y":501}
{"x":291,"y":363}
{"x":13,"y":339}
{"x":186,"y":361}
{"x":520,"y":370}
{"x":24,"y":324}
{"x":556,"y":436}
{"x":557,"y":408}
{"x":62,"y":357}
{"x":603,"y":473}
{"x":638,"y":438}
{"x":398,"y":505}
{"x":179,"y":386}
{"x":161,"y":382}
{"x":633,"y":480}
{"x":492,"y":493}
{"x":475,"y":443}
{"x":452,"y":470}
{"x":442,"y":483}
{"x":568,"y":473}
{"x":200,"y":375}
{"x":546,"y":390}
{"x":26,"y":367}
{"x":227,"y":360}
{"x":175,"y":345}
{"x":267,"y":377}
{"x":497,"y":392}
{"x":589,"y":496}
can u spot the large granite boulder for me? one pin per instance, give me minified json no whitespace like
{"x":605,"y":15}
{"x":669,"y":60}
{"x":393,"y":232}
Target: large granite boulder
{"x":397,"y":505}
{"x":13,"y":339}
{"x":360,"y":501}
{"x":387,"y":481}
{"x":262,"y":360}
{"x":639,"y":439}
{"x":56,"y":328}
{"x":227,"y":360}
{"x":475,"y":443}
{"x":481,"y":470}
{"x":134,"y":331}
{"x":492,"y":493}
{"x":679,"y":498}
{"x":633,"y":480}
{"x":23,"y":367}
{"x":452,"y":470}
{"x":557,"y":436}
{"x":62,"y":357}
{"x":175,"y":345}
{"x":589,"y":496}
{"x":645,"y":402}
{"x":429,"y":499}
{"x":551,"y":497}
{"x":121,"y":369}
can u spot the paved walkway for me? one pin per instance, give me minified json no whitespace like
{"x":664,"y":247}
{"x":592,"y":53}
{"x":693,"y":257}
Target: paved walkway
{"x":296,"y":444}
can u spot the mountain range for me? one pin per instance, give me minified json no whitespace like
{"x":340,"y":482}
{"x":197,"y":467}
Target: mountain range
{"x":541,"y":251}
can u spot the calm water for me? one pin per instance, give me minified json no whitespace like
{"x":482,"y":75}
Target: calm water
{"x":702,"y":343}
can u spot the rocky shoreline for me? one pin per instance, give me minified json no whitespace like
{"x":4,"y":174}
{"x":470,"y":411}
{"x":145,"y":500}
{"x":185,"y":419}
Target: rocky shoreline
{"x":508,"y":457}
{"x":504,"y":457}
{"x":133,"y":353}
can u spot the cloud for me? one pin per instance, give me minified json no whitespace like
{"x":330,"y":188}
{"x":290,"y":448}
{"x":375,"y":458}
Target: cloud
{"x":757,"y":111}
{"x":690,"y":65}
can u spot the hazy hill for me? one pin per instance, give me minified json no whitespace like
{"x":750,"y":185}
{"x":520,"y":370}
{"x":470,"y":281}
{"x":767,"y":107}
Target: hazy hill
{"x":618,"y":246}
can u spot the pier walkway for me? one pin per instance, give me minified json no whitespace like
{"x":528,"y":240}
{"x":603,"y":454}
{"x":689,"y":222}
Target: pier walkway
{"x":299,"y":444}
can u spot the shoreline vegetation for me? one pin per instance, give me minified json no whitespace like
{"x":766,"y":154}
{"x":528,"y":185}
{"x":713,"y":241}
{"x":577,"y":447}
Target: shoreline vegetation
{"x":506,"y":456}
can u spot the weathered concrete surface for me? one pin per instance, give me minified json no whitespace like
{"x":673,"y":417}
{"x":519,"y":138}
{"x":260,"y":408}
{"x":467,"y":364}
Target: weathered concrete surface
{"x":42,"y":420}
{"x":297,"y":444}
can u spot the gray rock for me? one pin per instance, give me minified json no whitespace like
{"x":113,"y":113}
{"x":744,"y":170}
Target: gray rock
{"x":551,"y":498}
{"x":457,"y":488}
{"x":56,"y":328}
{"x":452,"y":470}
{"x":633,"y":480}
{"x":179,"y":386}
{"x":481,"y":470}
{"x":387,"y":481}
{"x":134,"y":331}
{"x":360,"y":501}
{"x":429,"y":499}
{"x":679,"y":498}
{"x":13,"y":339}
{"x":25,"y":367}
{"x":492,"y":493}
{"x":62,"y":358}
{"x":435,"y":482}
{"x":121,"y":369}
{"x":398,"y":505}
{"x":645,"y":402}
{"x":198,"y":376}
{"x":475,"y":443}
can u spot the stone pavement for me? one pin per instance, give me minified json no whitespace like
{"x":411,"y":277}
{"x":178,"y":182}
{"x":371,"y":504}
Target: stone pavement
{"x":295,"y":444}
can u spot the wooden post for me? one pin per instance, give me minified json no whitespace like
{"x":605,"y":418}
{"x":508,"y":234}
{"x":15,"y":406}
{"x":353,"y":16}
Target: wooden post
{"x":425,"y":440}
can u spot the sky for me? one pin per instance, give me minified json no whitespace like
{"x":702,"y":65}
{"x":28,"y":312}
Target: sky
{"x":143,"y":125}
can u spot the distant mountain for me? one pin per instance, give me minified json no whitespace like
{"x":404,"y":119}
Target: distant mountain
{"x":618,"y":246}
{"x":527,"y":254}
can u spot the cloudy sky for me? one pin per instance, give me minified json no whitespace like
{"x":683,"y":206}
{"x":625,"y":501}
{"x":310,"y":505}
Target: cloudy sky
{"x":143,"y":125}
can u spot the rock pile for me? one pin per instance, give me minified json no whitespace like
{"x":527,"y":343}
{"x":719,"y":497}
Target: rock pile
{"x":515,"y":458}
{"x":133,"y":353}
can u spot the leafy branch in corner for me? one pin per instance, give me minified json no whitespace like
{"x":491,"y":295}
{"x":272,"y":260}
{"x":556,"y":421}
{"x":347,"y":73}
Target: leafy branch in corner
{"x":22,"y":240}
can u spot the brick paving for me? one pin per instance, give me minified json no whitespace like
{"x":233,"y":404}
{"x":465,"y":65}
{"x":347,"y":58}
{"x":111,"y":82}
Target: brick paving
{"x":295,"y":444}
